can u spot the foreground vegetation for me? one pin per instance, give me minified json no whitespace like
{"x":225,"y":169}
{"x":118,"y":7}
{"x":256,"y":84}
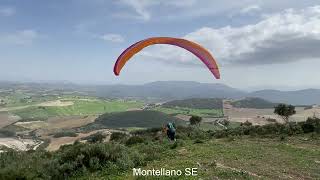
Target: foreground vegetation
{"x":275,"y":151}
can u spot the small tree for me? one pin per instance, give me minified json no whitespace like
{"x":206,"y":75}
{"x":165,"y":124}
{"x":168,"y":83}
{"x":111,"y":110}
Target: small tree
{"x":97,"y":137}
{"x":195,"y":120}
{"x":285,"y":111}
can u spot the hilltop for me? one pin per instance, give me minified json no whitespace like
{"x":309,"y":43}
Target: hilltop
{"x":196,"y":103}
{"x":161,"y":91}
{"x":141,"y":119}
{"x":257,"y":103}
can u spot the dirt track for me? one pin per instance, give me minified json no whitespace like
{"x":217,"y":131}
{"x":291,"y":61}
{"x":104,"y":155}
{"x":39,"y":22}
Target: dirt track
{"x":49,"y":103}
{"x":56,"y":103}
{"x":7,"y":119}
{"x":56,"y":143}
{"x":18,"y":144}
{"x":57,"y":123}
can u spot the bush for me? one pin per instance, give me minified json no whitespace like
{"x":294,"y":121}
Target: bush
{"x":198,"y":141}
{"x":96,"y":137}
{"x":135,"y":140}
{"x":7,"y":133}
{"x":270,"y":129}
{"x":195,"y":120}
{"x":272,"y":120}
{"x":174,"y":145}
{"x":147,"y":132}
{"x":247,"y":123}
{"x":65,"y":134}
{"x":68,"y":161}
{"x":315,"y":122}
{"x":225,"y":122}
{"x":292,"y":129}
{"x":118,"y":136}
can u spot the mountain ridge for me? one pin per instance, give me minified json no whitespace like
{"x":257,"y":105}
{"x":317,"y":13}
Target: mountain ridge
{"x":178,"y":90}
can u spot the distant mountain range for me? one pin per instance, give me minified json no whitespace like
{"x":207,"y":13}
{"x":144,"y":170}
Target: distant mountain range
{"x":171,"y":90}
{"x":177,"y":90}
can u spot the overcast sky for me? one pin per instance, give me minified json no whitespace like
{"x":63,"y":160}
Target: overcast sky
{"x":257,"y":43}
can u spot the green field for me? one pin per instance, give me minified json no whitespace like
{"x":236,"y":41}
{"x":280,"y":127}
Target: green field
{"x":80,"y":107}
{"x":206,"y":126}
{"x":191,"y":111}
{"x":22,"y":99}
{"x":196,"y":103}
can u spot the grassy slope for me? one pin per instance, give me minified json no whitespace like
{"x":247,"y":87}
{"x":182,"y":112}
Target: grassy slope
{"x":16,"y":99}
{"x":197,"y":103}
{"x":78,"y":108}
{"x":257,"y":103}
{"x":191,"y":111}
{"x":245,"y":158}
{"x":196,"y":106}
{"x":140,"y":119}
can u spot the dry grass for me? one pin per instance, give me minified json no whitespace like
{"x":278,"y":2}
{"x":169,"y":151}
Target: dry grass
{"x":56,"y":143}
{"x":260,"y":116}
{"x":18,"y":144}
{"x":7,"y":119}
{"x":56,"y":103}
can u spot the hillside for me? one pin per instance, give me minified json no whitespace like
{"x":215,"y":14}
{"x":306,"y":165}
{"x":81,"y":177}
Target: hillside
{"x":196,"y":103}
{"x":170,"y":90}
{"x":299,"y":97}
{"x":165,"y":91}
{"x":256,"y":103}
{"x":142,"y":119}
{"x":177,"y":90}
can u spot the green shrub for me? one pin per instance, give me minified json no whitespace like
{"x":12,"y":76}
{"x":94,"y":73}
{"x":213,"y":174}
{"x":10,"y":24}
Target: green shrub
{"x":268,"y":129}
{"x":65,"y":134}
{"x":68,"y":161}
{"x":118,"y":136}
{"x":174,"y":145}
{"x":247,"y":123}
{"x":315,"y":122}
{"x":151,"y":151}
{"x":135,"y":140}
{"x":147,"y":132}
{"x":272,"y":120}
{"x":7,"y":133}
{"x":95,"y":138}
{"x":198,"y":141}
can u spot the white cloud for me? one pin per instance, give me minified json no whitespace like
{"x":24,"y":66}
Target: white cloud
{"x":146,"y":10}
{"x":116,"y":38}
{"x":20,"y":37}
{"x":142,"y":7}
{"x":288,"y":36}
{"x":251,"y":8}
{"x":7,"y":11}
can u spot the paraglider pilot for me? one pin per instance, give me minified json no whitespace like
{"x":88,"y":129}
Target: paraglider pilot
{"x":171,"y":131}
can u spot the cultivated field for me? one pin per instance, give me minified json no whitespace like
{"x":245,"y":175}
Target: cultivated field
{"x":260,"y":116}
{"x":7,"y":119}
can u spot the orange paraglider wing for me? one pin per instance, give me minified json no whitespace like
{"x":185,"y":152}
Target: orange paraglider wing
{"x":203,"y":54}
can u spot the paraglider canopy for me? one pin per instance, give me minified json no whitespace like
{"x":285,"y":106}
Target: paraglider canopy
{"x":199,"y":51}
